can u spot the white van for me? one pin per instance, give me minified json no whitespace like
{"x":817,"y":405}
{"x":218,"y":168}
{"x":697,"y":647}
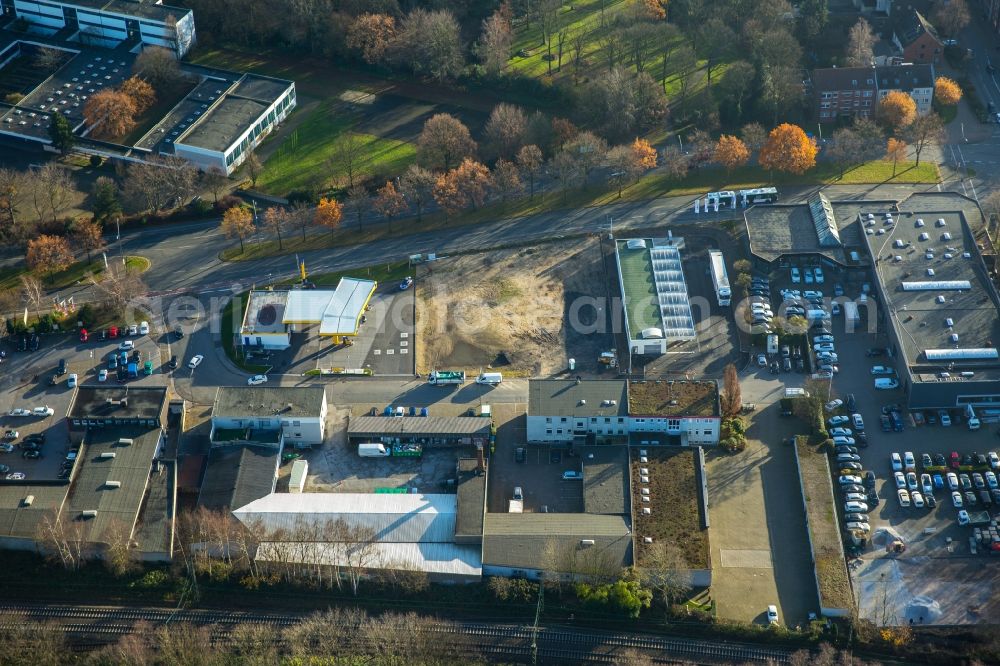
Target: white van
{"x":491,"y":378}
{"x":372,"y":450}
{"x":886,"y":383}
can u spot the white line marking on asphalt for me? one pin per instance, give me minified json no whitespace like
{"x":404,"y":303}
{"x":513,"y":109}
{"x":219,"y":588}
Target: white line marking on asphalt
{"x":404,"y":351}
{"x":376,"y":351}
{"x":404,"y":335}
{"x":390,"y":352}
{"x":403,"y":343}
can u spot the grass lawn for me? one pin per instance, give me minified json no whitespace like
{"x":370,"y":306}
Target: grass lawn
{"x":388,"y":272}
{"x":301,"y":161}
{"x":10,"y":278}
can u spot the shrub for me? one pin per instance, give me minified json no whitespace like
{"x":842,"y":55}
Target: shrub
{"x":305,"y":195}
{"x":95,"y":161}
{"x":201,"y":207}
{"x":227,"y":202}
{"x":151,"y":580}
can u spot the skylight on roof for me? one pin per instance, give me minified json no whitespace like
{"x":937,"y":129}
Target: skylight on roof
{"x":971,"y":354}
{"x":823,"y":219}
{"x":940,"y":285}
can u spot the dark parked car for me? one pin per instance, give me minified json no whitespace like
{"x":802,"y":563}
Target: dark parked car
{"x":885,"y":423}
{"x":172,"y":363}
{"x":520,"y":454}
{"x":61,"y":370}
{"x":861,"y":439}
{"x":852,"y":404}
{"x":31,"y":454}
{"x":930,"y":417}
{"x":939,"y":460}
{"x":873,"y":497}
{"x":970,"y":498}
{"x":874,"y":351}
{"x":985,"y":498}
{"x":34,"y":342}
{"x":930,"y":501}
{"x":925,"y":460}
{"x":34,"y":437}
{"x":870,"y":479}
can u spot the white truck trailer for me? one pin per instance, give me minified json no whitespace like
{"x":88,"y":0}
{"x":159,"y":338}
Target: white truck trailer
{"x":719,"y":277}
{"x":447,"y":377}
{"x":851,"y":314}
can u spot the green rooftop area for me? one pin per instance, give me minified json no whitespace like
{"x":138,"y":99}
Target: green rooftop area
{"x":639,"y":290}
{"x":673,"y":398}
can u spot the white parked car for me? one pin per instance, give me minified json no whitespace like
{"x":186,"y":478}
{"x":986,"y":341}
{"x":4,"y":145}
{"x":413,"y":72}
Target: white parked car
{"x":904,"y":497}
{"x":20,"y":411}
{"x":818,"y":275}
{"x":835,"y":421}
{"x":900,"y":480}
{"x":772,"y":614}
{"x":133,"y":329}
{"x":841,"y":432}
{"x":850,"y":479}
{"x":825,"y":347}
{"x":102,"y":376}
{"x":126,"y":345}
{"x":909,"y":462}
{"x":833,"y":404}
{"x":71,"y":382}
{"x":144,"y":328}
{"x":918,"y":499}
{"x":257,"y":380}
{"x":897,"y":463}
{"x":963,"y":517}
{"x":994,"y":459}
{"x":796,"y":276}
{"x":855,"y":507}
{"x":956,"y":499}
{"x":882,"y":370}
{"x":812,"y":293}
{"x":860,"y":527}
{"x":952,"y":481}
{"x":925,"y":484}
{"x":911,"y":480}
{"x":822,"y":338}
{"x":195,"y":361}
{"x":855,"y":497}
{"x":43,"y":411}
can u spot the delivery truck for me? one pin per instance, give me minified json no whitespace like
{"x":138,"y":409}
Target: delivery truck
{"x":373,"y":450}
{"x":447,"y":377}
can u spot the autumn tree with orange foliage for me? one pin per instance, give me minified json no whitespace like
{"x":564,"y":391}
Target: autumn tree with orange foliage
{"x":896,"y":110}
{"x":110,"y":114}
{"x":731,"y":152}
{"x":895,"y":150}
{"x":237,"y":222}
{"x":788,"y":149}
{"x":48,"y":254}
{"x":947,"y":91}
{"x":628,"y":162}
{"x":389,"y":202}
{"x":465,"y":185}
{"x":142,"y":94}
{"x":371,"y":34}
{"x":654,"y":9}
{"x":328,"y":214}
{"x":645,"y":154}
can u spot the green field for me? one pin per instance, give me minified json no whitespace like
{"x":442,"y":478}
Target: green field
{"x":301,"y":161}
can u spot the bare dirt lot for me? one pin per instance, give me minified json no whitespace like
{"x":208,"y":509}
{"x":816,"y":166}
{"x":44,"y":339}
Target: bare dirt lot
{"x":523,"y":310}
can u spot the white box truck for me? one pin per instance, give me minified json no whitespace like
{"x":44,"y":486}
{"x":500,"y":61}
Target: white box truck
{"x":772,"y":344}
{"x":719,"y":277}
{"x":446,"y":377}
{"x":373,"y":450}
{"x":971,"y":419}
{"x":491,"y":378}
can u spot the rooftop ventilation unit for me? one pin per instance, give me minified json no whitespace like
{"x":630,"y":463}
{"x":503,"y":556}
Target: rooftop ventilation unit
{"x":587,"y":542}
{"x":954,"y":338}
{"x":125,"y":441}
{"x":28,"y":500}
{"x":646,"y":511}
{"x":940,"y":222}
{"x":583,"y":401}
{"x":939,"y":299}
{"x":636,"y":244}
{"x":89,"y":513}
{"x":108,"y":455}
{"x":924,"y":236}
{"x":112,"y":484}
{"x":920,"y":222}
{"x":647,"y":539}
{"x":930,"y":272}
{"x":949,"y":322}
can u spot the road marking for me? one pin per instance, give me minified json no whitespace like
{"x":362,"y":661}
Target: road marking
{"x":377,"y":351}
{"x":390,"y":352}
{"x":404,"y":351}
{"x":403,"y":343}
{"x":404,"y":335}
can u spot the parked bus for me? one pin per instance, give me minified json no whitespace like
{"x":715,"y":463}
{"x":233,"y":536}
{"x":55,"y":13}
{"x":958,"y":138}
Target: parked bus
{"x":760,"y":195}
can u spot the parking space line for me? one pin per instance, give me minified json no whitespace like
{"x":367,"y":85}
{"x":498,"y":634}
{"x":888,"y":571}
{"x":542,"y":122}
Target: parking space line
{"x":404,"y":335}
{"x":404,"y":351}
{"x":403,"y":343}
{"x":376,"y":352}
{"x":390,"y":352}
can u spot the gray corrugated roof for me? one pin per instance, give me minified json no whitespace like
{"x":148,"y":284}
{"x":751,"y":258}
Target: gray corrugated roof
{"x":417,"y":425}
{"x":564,"y":397}
{"x":91,"y":401}
{"x":552,"y":541}
{"x":250,"y":401}
{"x":471,"y":499}
{"x":131,"y":466}
{"x":20,"y":521}
{"x":237,"y":475}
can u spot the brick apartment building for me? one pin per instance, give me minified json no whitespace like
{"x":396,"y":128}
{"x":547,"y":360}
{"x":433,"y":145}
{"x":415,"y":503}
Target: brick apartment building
{"x":853,"y":92}
{"x":916,"y":38}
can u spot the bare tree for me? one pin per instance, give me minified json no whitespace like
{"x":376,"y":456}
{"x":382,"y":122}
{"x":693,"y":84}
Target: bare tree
{"x":429,"y":42}
{"x":28,"y":641}
{"x":118,"y":554}
{"x":346,"y":158}
{"x":357,"y":202}
{"x":507,"y":179}
{"x":48,"y":59}
{"x":417,"y":184}
{"x":253,"y":166}
{"x":182,"y":643}
{"x":951,"y":16}
{"x":495,"y":41}
{"x":530,"y":161}
{"x":301,"y":217}
{"x":665,"y":571}
{"x":860,"y":49}
{"x":32,"y":292}
{"x":589,"y":151}
{"x":117,"y":285}
{"x":276,"y":220}
{"x":12,"y":194}
{"x":924,"y":131}
{"x":215,"y":180}
{"x":505,"y":130}
{"x":158,"y":66}
{"x":62,"y":540}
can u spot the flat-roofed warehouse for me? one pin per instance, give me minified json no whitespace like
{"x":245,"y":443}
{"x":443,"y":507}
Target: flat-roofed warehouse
{"x":942,"y":307}
{"x":104,"y":405}
{"x":427,"y":430}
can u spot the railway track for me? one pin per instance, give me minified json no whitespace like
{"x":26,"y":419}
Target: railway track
{"x":93,"y":626}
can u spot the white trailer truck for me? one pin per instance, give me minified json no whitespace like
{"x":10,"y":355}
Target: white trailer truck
{"x":446,"y":377}
{"x":719,"y":277}
{"x":851,"y":314}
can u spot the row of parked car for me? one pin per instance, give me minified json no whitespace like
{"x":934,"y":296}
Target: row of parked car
{"x":967,"y":489}
{"x":809,"y":275}
{"x":857,"y":487}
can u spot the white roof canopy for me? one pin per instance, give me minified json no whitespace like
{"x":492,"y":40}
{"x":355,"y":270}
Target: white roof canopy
{"x":337,"y":312}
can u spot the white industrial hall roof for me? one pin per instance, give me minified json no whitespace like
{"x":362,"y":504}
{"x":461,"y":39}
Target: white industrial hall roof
{"x":412,"y":518}
{"x":337,"y":311}
{"x":431,"y":558}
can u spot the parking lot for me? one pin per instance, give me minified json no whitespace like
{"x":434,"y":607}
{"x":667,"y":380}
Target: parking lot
{"x":32,"y":379}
